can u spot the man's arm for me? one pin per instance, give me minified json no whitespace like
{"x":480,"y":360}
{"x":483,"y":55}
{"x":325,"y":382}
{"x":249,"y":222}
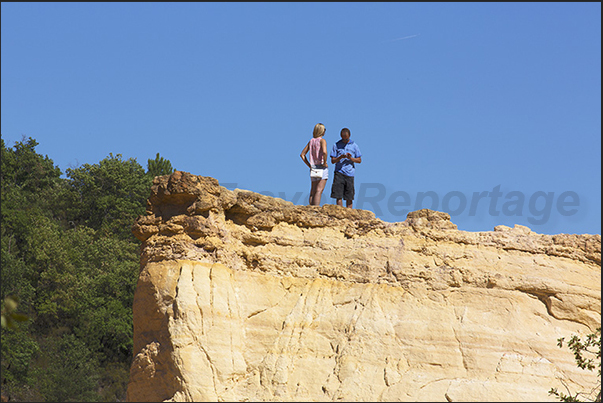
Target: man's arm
{"x":358,"y":159}
{"x":335,"y":160}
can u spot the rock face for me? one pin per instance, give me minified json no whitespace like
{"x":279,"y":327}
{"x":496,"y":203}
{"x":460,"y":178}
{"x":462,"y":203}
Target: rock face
{"x":245,"y":297}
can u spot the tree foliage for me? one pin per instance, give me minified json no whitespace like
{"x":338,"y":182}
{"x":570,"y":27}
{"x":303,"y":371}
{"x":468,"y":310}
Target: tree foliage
{"x":159,"y":167}
{"x":587,"y":353}
{"x":70,"y":260}
{"x":108,"y":196}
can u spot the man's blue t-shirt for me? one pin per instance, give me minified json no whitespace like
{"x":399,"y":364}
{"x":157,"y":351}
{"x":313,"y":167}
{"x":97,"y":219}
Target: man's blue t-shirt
{"x":345,"y":166}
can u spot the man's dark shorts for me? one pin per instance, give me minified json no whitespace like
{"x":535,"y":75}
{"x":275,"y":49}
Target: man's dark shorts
{"x":343,"y":187}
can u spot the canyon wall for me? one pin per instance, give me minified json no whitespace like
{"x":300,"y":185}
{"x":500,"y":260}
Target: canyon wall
{"x":246,"y":297}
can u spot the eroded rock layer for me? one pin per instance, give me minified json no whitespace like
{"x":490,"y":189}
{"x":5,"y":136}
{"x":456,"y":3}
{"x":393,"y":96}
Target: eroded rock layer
{"x":245,"y":297}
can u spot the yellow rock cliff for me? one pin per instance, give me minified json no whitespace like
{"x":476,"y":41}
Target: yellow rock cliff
{"x":245,"y":297}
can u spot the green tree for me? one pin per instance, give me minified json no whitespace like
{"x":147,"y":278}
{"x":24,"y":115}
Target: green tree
{"x":26,"y":170}
{"x":108,"y":196}
{"x":67,"y":370}
{"x":587,"y":353}
{"x":69,"y":258}
{"x":159,"y":167}
{"x":29,"y":183}
{"x":19,"y":351}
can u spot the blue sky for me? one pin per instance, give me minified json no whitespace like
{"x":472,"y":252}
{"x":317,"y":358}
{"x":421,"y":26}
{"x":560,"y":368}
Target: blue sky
{"x":490,"y":111}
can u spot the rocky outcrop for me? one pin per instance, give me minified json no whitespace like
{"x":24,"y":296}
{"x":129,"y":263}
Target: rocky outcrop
{"x":244,"y":297}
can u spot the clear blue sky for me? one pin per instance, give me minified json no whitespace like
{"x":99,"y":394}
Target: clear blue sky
{"x":447,"y":101}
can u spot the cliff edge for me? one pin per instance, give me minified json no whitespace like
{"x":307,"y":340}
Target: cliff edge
{"x":246,"y":297}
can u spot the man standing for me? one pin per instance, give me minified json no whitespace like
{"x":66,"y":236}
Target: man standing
{"x":344,"y":155}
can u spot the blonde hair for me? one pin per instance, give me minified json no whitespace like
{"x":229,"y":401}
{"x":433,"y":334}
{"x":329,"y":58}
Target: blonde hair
{"x":319,"y":130}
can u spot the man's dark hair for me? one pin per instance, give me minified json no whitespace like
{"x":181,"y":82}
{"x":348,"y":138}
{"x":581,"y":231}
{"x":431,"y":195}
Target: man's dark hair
{"x":346,"y":130}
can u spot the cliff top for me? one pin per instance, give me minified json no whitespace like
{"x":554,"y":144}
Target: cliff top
{"x":188,"y":204}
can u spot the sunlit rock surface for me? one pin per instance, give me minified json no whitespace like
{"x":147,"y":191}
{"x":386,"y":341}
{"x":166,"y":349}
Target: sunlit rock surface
{"x":245,"y":297}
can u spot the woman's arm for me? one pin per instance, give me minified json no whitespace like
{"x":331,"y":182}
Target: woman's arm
{"x":303,"y":155}
{"x":323,"y":146}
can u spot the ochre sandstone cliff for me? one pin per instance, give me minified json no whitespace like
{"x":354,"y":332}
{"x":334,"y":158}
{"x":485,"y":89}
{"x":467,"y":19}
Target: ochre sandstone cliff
{"x":245,"y":297}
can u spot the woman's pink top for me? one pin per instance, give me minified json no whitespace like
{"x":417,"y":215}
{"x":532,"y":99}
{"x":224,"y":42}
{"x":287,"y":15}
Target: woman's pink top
{"x":316,"y":153}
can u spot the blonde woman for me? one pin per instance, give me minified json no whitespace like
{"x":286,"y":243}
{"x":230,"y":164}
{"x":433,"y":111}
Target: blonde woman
{"x":319,"y":172}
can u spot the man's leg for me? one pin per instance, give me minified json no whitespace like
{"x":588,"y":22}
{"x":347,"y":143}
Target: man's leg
{"x":348,"y":192}
{"x":337,"y":188}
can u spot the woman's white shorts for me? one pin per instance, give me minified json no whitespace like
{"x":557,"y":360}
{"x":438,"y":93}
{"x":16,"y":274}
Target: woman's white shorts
{"x":325,"y":175}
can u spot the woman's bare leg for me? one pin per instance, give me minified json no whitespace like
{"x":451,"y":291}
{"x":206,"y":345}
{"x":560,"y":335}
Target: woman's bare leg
{"x":319,"y":189}
{"x":313,"y":191}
